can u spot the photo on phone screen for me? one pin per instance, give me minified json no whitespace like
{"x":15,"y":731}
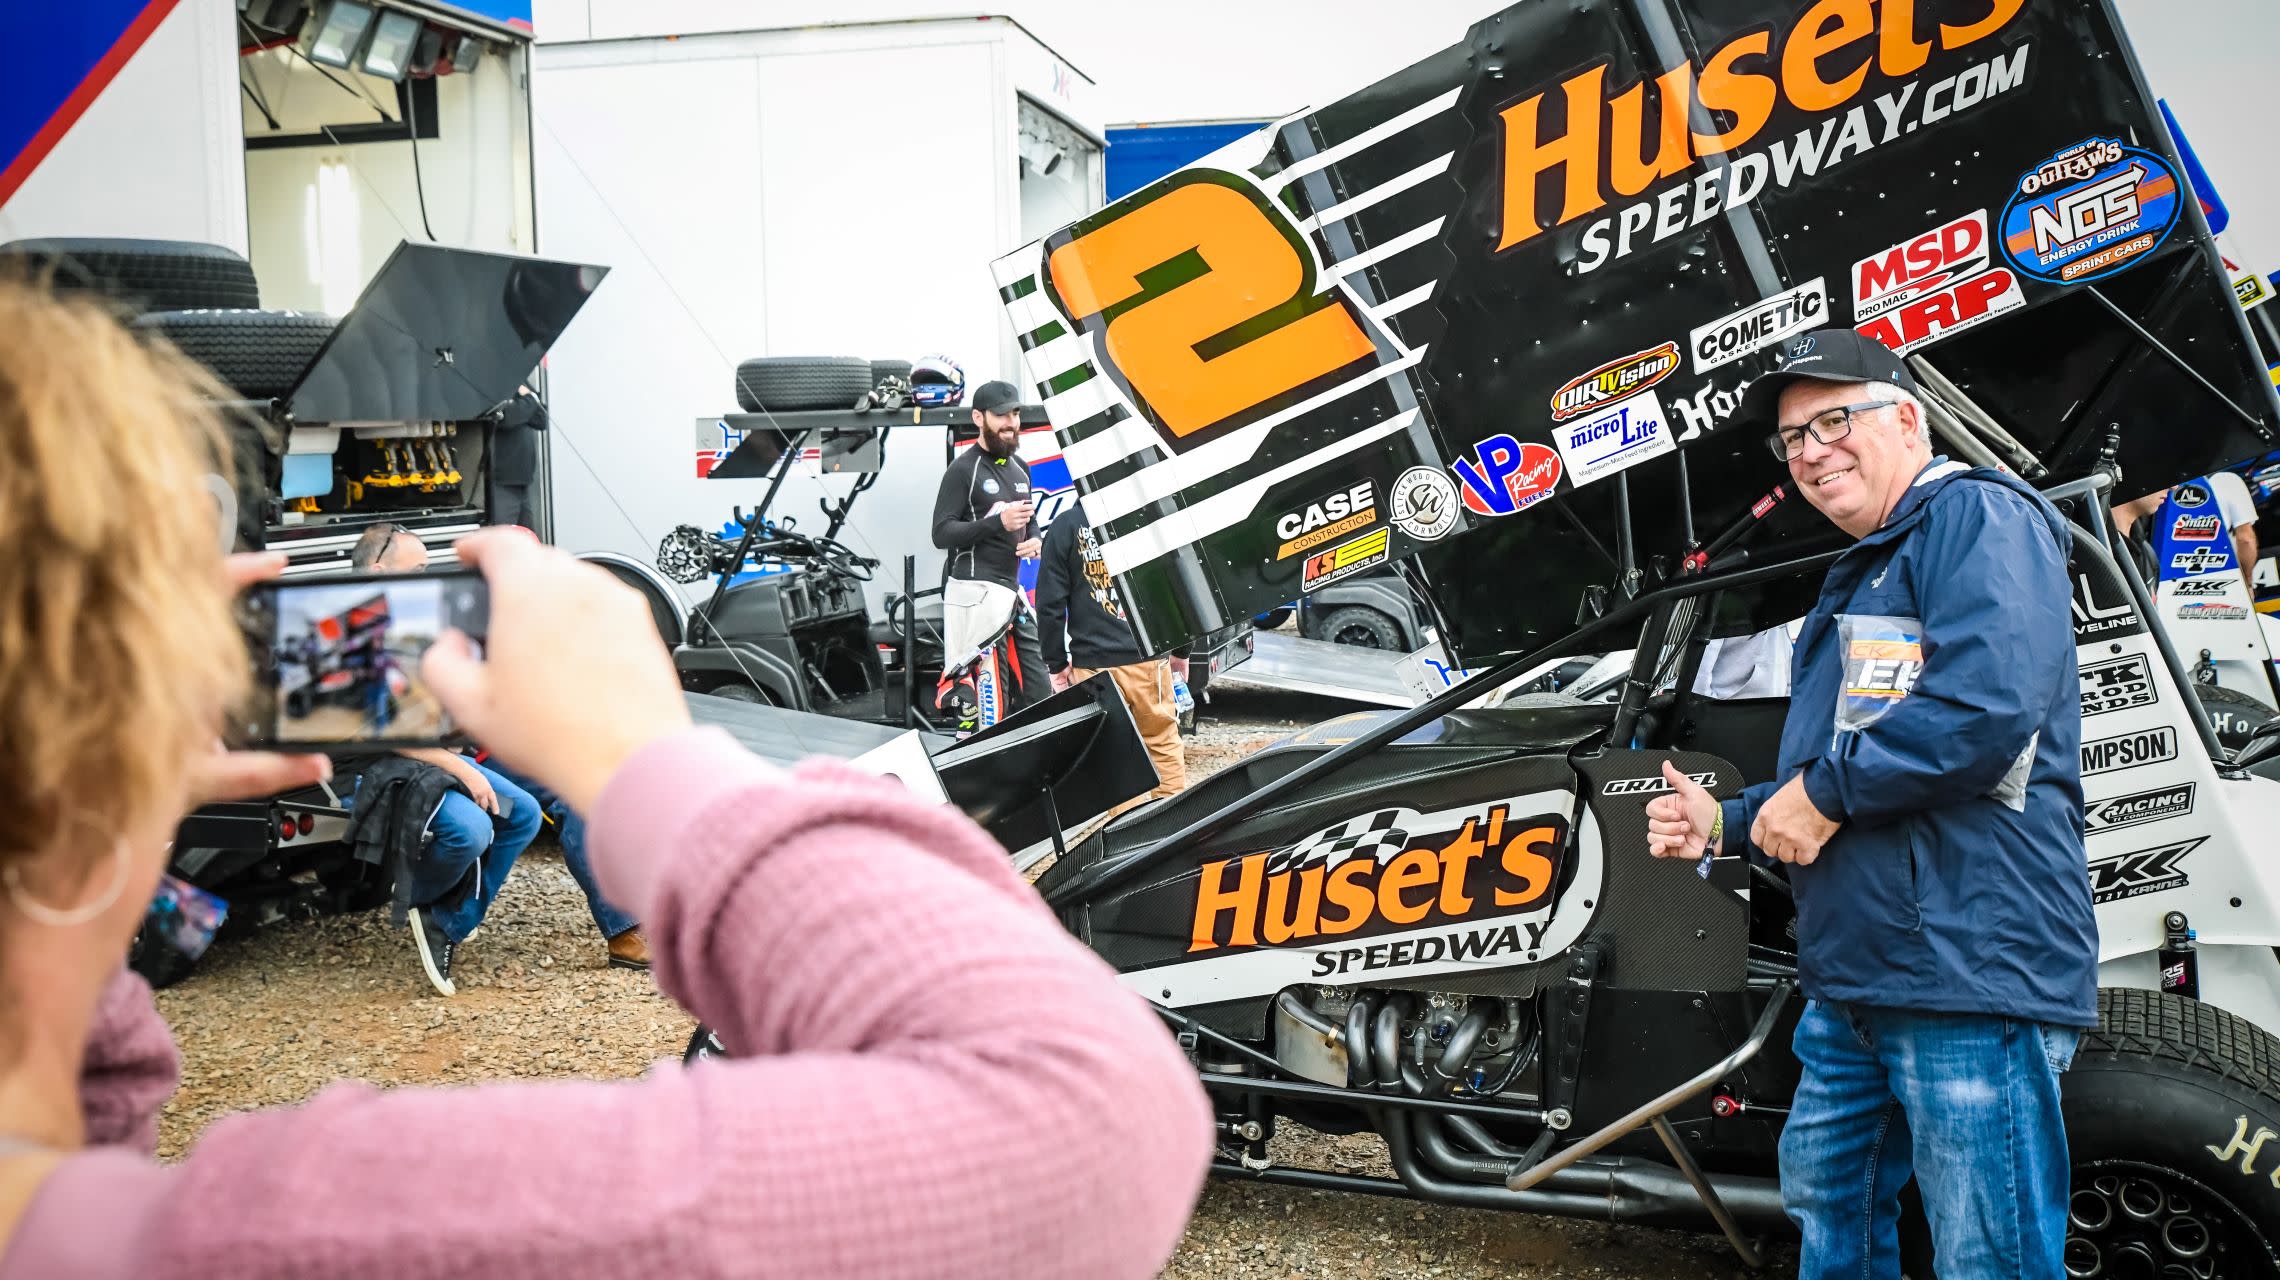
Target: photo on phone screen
{"x":343,"y":657}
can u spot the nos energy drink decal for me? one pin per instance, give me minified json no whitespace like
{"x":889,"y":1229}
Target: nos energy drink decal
{"x":2089,"y":211}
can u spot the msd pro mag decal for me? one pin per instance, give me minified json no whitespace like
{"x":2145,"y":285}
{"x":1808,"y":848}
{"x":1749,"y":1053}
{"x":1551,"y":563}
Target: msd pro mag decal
{"x":2091,"y":210}
{"x":1941,"y":282}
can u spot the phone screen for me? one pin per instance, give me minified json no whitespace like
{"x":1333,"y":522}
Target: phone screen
{"x":337,"y":660}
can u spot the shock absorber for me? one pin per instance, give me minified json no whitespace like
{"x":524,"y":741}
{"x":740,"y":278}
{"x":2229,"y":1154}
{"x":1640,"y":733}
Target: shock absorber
{"x":2180,"y":965}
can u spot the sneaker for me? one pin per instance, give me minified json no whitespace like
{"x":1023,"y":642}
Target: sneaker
{"x":629,"y":951}
{"x":435,"y":951}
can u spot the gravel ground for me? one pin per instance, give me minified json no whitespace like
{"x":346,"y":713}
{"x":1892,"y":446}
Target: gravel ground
{"x":271,"y":1019}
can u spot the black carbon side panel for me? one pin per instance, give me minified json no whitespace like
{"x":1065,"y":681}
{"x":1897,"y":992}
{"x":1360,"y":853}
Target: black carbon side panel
{"x":1664,"y":926}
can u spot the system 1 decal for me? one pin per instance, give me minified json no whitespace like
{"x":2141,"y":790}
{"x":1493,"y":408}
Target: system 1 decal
{"x":1424,"y":503}
{"x":1624,"y":436}
{"x":1760,"y":325}
{"x":2089,"y":211}
{"x":2200,"y":560}
{"x":1510,"y":475}
{"x":1613,"y":381}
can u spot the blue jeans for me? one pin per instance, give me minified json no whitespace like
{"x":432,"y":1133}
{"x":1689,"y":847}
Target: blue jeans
{"x":464,"y":835}
{"x":607,"y":918}
{"x":1967,"y":1103}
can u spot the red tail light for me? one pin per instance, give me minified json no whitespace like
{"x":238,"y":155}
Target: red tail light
{"x":307,"y":823}
{"x":285,"y":828}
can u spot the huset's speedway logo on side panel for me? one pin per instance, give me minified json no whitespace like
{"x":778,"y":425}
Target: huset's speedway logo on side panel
{"x":1378,"y":874}
{"x":2090,"y":211}
{"x":1614,"y":380}
{"x":1510,"y":475}
{"x":1624,"y":436}
{"x":1939,"y":283}
{"x":1760,"y":325}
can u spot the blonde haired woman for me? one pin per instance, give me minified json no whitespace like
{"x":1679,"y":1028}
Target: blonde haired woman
{"x":940,"y":1081}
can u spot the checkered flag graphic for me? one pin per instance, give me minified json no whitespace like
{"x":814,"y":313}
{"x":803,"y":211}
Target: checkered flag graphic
{"x":1377,"y":835}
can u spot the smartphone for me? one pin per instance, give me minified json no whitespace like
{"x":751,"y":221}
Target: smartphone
{"x":337,"y":659}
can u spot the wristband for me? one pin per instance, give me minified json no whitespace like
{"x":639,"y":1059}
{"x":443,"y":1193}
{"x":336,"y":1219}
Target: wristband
{"x":1710,"y":845}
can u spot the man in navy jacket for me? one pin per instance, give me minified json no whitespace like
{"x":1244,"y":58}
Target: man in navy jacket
{"x":1929,"y":805}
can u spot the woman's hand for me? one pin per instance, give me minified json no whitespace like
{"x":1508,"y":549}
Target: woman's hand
{"x":222,"y":774}
{"x":574,"y":678}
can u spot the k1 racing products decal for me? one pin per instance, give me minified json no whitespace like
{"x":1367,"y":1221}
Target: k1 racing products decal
{"x":1613,"y":381}
{"x":1345,"y":560}
{"x":1424,"y":504}
{"x":1509,"y":476}
{"x":2143,"y":871}
{"x":2144,"y":806}
{"x":2117,"y":684}
{"x":1609,"y":441}
{"x":2129,"y":750}
{"x":1939,"y":283}
{"x":1333,"y":517}
{"x":2091,"y":210}
{"x":1759,"y":325}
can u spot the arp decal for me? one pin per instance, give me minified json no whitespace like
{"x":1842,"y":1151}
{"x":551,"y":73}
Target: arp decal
{"x":2089,"y":211}
{"x":2144,"y":806}
{"x":1940,"y":283}
{"x":1379,"y":881}
{"x":1623,"y":436}
{"x":1509,"y":476}
{"x":1346,"y":559}
{"x":1424,"y":504}
{"x":1331,"y":518}
{"x":2196,"y":528}
{"x":1760,"y":325}
{"x":1655,"y":784}
{"x":2101,"y":613}
{"x":1613,"y":381}
{"x":2116,"y":684}
{"x":2200,"y":560}
{"x":2143,"y":871}
{"x":2129,"y":750}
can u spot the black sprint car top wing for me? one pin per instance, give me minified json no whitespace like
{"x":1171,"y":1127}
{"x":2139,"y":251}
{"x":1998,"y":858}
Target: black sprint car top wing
{"x":1499,"y":307}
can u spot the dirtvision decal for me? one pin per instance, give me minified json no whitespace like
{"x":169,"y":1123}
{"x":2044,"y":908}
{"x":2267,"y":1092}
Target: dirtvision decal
{"x":1758,"y":326}
{"x":2089,"y":211}
{"x":1940,"y":283}
{"x":1510,"y":475}
{"x":2143,"y":871}
{"x":1331,"y":518}
{"x":1614,"y":381}
{"x":2144,"y":806}
{"x":2129,"y":750}
{"x":1389,"y":894}
{"x":1610,"y":441}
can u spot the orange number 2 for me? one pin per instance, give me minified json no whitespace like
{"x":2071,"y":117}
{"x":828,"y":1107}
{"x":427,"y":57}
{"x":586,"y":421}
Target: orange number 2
{"x":1201,"y":350}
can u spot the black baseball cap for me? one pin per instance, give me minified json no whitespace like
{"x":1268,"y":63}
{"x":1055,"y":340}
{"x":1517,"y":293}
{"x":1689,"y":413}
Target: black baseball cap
{"x":997,"y":397}
{"x":1824,"y":355}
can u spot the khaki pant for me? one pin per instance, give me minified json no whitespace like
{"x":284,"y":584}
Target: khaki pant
{"x":1147,"y":690}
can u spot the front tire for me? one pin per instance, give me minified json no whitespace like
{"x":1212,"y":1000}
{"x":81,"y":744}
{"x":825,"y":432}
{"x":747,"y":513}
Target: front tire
{"x":2233,"y":714}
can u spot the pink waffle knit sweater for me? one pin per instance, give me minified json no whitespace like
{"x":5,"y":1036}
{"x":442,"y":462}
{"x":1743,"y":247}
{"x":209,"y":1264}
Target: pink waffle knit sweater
{"x":939,"y":1082}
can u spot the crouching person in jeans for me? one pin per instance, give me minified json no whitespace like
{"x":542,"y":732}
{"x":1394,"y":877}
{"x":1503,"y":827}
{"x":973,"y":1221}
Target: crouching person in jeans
{"x":929,"y":1077}
{"x":1929,"y":804}
{"x":1084,"y":632}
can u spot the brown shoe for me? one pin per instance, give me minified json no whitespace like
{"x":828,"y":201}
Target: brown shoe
{"x":629,"y":951}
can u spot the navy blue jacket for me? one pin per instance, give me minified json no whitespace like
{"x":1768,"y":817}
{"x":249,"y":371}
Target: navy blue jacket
{"x":1948,"y":887}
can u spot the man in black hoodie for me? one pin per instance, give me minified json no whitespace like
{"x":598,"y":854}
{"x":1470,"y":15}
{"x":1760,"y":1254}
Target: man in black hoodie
{"x":1076,"y":598}
{"x":984,"y":516}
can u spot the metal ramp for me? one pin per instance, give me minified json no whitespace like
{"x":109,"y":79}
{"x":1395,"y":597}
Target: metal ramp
{"x":1294,"y":663}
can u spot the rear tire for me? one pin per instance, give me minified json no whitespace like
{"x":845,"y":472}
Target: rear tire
{"x":142,"y":275}
{"x":1362,"y":628}
{"x":737,"y":691}
{"x":785,"y":384}
{"x":2233,"y":714}
{"x":2166,"y":1102}
{"x":259,"y":354}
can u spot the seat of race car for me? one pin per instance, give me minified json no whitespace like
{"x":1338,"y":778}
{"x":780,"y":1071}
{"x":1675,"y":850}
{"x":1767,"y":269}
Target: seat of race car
{"x":1744,"y":732}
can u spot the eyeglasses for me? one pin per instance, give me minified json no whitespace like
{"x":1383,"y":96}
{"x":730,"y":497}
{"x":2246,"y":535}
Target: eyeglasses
{"x":1827,"y":426}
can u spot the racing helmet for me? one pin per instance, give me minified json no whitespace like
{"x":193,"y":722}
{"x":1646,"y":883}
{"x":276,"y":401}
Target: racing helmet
{"x":937,"y":381}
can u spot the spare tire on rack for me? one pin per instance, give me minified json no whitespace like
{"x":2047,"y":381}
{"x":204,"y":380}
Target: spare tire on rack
{"x":785,"y":384}
{"x":259,"y":354}
{"x":143,"y":275}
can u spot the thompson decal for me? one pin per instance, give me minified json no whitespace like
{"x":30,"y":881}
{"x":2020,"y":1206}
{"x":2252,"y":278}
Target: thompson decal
{"x":2134,"y":875}
{"x":1346,"y":559}
{"x":2145,"y":806}
{"x":1655,"y":785}
{"x":1424,"y":504}
{"x":1377,"y":880}
{"x":2090,"y":211}
{"x":1326,"y":520}
{"x":2129,"y":750}
{"x":1624,"y":436}
{"x":2116,"y":684}
{"x":1614,"y":381}
{"x":1510,"y":475}
{"x":1760,"y":325}
{"x":1939,"y":283}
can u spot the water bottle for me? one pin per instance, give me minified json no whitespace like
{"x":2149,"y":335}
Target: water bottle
{"x":1182,"y":700}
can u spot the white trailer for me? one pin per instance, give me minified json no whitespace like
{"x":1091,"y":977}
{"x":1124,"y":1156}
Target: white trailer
{"x":833,"y":190}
